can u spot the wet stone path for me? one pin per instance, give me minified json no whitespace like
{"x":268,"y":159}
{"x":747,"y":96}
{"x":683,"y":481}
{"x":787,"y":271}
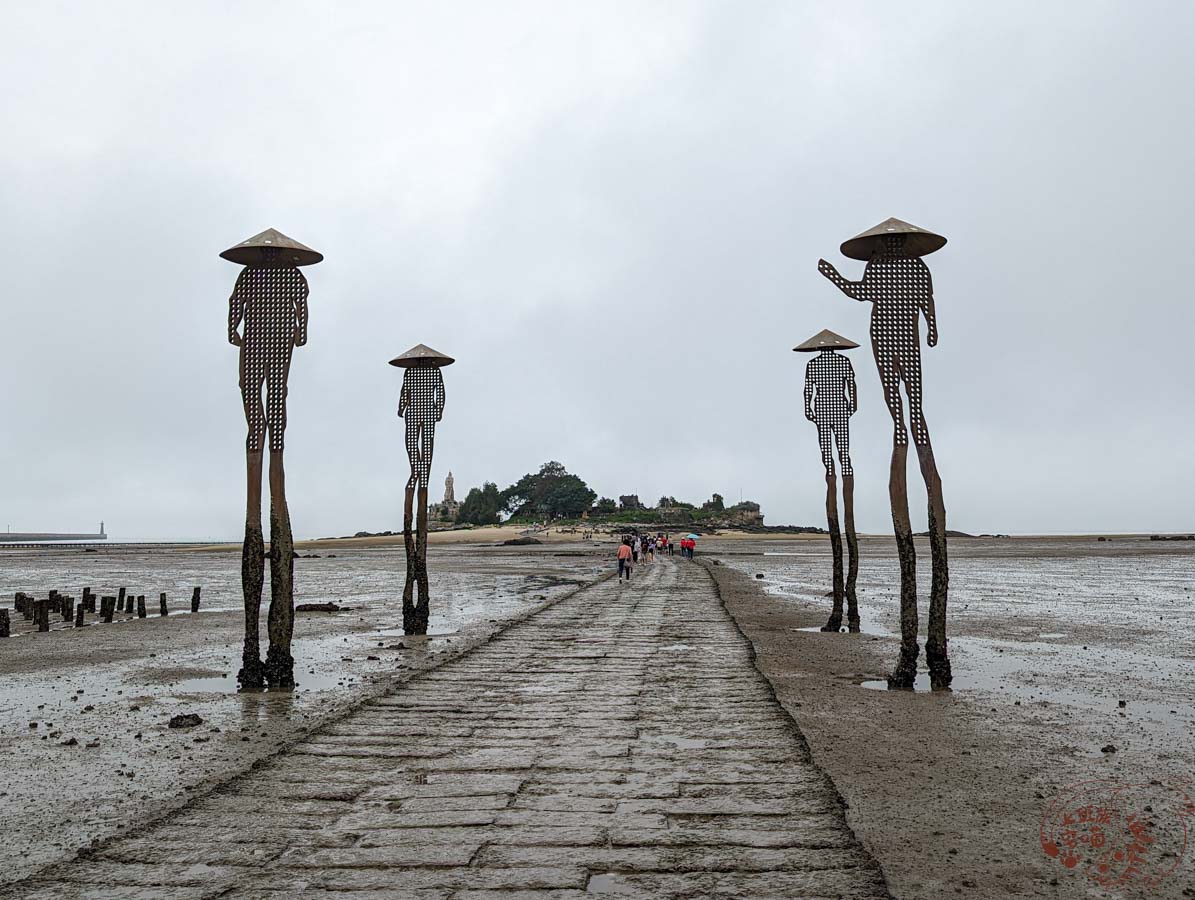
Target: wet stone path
{"x":618,"y":743}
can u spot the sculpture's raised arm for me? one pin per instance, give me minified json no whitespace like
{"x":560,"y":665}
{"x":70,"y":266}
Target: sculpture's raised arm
{"x":850,"y":288}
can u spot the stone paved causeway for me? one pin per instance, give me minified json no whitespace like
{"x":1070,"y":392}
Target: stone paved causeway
{"x":618,"y":743}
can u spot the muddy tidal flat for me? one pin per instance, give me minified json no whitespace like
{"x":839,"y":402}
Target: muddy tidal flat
{"x":1074,"y":662}
{"x":601,"y":737}
{"x":85,"y":748}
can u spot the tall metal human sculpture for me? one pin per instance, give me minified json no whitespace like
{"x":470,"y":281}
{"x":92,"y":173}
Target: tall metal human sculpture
{"x":270,"y":301}
{"x":830,"y":401}
{"x":899,"y":287}
{"x":421,"y":406}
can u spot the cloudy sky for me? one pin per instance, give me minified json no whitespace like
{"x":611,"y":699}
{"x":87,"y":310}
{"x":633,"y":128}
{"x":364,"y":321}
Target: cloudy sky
{"x":611,"y":214}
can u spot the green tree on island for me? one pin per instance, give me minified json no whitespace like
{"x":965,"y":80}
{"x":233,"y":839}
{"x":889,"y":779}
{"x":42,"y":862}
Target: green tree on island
{"x":605,"y":506}
{"x":552,"y":492}
{"x":482,"y":506}
{"x":714,"y":504}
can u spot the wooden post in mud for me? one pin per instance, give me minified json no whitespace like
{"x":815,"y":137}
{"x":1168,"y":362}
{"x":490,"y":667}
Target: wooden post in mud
{"x":195,"y":600}
{"x":120,"y":595}
{"x":42,"y":614}
{"x":162,"y":611}
{"x":5,"y":625}
{"x":140,"y":606}
{"x":67,"y":609}
{"x":80,"y":611}
{"x":88,"y":601}
{"x":421,"y":406}
{"x":107,"y":608}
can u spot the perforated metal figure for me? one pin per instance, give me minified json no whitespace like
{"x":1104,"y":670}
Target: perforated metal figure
{"x":270,"y":302}
{"x":899,"y":287}
{"x":421,"y":405}
{"x":830,"y":401}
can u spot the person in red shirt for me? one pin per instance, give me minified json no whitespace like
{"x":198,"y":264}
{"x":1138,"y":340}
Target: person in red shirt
{"x":625,"y":563}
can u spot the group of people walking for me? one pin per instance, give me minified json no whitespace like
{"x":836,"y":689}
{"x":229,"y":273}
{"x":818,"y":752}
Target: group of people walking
{"x":635,"y":549}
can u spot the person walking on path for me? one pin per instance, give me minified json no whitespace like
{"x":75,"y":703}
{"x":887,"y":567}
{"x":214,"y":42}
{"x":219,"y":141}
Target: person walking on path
{"x":625,"y":563}
{"x":636,"y":547}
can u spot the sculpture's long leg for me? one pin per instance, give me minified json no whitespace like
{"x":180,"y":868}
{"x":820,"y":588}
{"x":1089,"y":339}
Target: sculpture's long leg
{"x":280,"y":665}
{"x":408,"y":593}
{"x":421,"y":609}
{"x":936,"y":655}
{"x":906,"y":666}
{"x":835,"y":621}
{"x":252,"y":674}
{"x":852,"y":546}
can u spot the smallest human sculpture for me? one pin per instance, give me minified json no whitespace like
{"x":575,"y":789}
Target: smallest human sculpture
{"x":421,"y":406}
{"x":830,"y":401}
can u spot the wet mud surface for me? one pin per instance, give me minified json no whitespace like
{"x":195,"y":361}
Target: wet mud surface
{"x":86,"y":750}
{"x":1061,"y":649}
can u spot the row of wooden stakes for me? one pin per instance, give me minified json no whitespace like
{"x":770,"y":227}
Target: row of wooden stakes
{"x":39,"y":611}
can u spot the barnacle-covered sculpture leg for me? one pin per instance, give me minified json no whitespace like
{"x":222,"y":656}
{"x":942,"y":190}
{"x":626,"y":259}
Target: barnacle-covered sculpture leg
{"x":421,"y":405}
{"x":852,"y":549}
{"x":830,"y":401}
{"x":252,"y":674}
{"x":280,"y":623}
{"x":835,"y":621}
{"x":899,"y":286}
{"x":270,"y":300}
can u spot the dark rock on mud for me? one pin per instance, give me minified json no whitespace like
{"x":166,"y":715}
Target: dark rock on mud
{"x":186,"y":720}
{"x":317,"y":607}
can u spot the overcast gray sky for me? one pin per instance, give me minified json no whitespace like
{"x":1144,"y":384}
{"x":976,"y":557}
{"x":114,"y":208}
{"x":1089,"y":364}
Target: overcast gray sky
{"x":611,"y":214}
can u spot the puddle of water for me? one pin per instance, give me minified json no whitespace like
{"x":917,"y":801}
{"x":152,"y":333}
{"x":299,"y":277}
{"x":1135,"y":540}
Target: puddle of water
{"x":920,"y":684}
{"x":1053,"y":634}
{"x":678,"y":647}
{"x":432,"y":631}
{"x":817,"y":629}
{"x":227,"y":683}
